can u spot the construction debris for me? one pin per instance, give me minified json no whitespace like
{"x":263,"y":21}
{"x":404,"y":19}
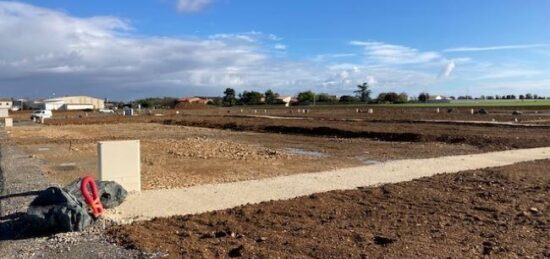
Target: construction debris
{"x":111,"y":193}
{"x":55,"y":210}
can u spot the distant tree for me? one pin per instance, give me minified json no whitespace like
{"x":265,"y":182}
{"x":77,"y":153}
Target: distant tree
{"x":326,"y":98}
{"x":251,"y":98}
{"x":521,"y":96}
{"x":348,"y":99}
{"x":271,"y":97}
{"x":306,"y":97}
{"x":403,"y":98}
{"x":157,"y":103}
{"x":528,"y":96}
{"x":363,"y":92}
{"x":229,"y":98}
{"x":424,"y":97}
{"x":389,"y":97}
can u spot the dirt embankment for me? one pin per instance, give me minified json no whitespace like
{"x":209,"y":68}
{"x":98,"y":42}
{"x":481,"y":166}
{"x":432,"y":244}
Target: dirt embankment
{"x":500,"y":212}
{"x":484,"y":137}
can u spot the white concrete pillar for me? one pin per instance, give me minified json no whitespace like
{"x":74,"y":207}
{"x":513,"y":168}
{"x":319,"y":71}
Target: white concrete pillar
{"x":8,"y":122}
{"x":120,"y":161}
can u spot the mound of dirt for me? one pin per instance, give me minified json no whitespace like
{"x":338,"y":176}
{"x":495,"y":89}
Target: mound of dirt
{"x":205,"y":148}
{"x":500,"y":212}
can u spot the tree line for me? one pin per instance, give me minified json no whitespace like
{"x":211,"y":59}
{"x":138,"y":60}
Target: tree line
{"x":362,"y":94}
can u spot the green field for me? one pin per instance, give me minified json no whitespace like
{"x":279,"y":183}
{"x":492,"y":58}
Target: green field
{"x":477,"y":103}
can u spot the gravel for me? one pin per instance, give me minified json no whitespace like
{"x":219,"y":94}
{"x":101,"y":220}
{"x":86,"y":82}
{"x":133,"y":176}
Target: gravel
{"x":20,"y":179}
{"x":203,"y":198}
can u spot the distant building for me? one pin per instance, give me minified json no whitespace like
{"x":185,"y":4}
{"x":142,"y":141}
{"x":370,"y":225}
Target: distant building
{"x":5,"y":106}
{"x":70,"y":103}
{"x":198,"y":100}
{"x":286,"y":100}
{"x":439,"y":98}
{"x":5,"y":103}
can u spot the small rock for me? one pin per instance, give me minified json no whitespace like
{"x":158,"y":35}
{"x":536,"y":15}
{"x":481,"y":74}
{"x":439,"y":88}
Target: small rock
{"x":482,"y":111}
{"x":487,"y":247}
{"x":261,"y":239}
{"x":236,"y":252}
{"x":383,"y":241}
{"x":517,"y":113}
{"x":220,"y":233}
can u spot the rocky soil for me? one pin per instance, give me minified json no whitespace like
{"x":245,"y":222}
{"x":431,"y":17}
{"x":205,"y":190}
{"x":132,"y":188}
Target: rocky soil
{"x":176,"y":156}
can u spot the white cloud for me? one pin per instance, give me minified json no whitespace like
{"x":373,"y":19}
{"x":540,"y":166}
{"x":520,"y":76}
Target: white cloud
{"x":395,"y":54}
{"x":492,"y":48}
{"x":447,"y":69}
{"x":191,"y":6}
{"x":280,"y":47}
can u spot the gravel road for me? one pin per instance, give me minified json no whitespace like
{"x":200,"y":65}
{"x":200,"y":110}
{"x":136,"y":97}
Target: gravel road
{"x":199,"y":199}
{"x":20,"y":176}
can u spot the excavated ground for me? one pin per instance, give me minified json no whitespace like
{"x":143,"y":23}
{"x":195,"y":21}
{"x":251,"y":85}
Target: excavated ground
{"x":500,"y":212}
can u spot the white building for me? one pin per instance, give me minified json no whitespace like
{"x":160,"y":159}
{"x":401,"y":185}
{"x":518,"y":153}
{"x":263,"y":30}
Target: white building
{"x":285,"y":99}
{"x":439,"y":98}
{"x":70,"y":103}
{"x":5,"y":103}
{"x":5,"y":106}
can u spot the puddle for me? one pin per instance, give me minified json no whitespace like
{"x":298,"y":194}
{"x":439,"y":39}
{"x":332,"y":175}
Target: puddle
{"x":303,"y":152}
{"x":367,"y":161}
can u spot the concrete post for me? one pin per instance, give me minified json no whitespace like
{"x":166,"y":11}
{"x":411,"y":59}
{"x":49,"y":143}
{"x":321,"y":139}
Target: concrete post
{"x":120,"y":161}
{"x":8,"y":122}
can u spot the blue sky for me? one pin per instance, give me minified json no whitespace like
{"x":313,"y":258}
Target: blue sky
{"x":129,"y":49}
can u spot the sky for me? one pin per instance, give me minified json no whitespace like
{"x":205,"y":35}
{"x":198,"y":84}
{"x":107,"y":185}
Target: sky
{"x":132,"y":49}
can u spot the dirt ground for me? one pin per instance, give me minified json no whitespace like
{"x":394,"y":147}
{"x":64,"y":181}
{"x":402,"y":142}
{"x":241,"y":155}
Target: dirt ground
{"x":386,"y":124}
{"x":499,"y":212}
{"x":176,"y":156}
{"x":190,"y":147}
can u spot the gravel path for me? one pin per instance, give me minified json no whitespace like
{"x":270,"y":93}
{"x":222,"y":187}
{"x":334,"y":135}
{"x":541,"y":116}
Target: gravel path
{"x":198,"y":199}
{"x":20,"y":175}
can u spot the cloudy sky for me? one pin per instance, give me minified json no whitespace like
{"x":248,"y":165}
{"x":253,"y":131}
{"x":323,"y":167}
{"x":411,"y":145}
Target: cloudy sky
{"x":129,"y":49}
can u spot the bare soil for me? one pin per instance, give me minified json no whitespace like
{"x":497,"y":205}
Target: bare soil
{"x":499,"y":212}
{"x":176,"y":156}
{"x":386,"y":124}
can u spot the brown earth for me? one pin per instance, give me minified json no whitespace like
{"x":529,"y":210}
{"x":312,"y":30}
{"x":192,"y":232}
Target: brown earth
{"x":176,"y":156}
{"x":499,"y":212}
{"x":386,"y":124}
{"x":190,"y":147}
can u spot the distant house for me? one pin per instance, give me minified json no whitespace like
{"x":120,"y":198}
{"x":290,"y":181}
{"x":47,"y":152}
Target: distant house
{"x":5,"y":103}
{"x":439,"y":98}
{"x":286,"y":100}
{"x":5,"y":106}
{"x":198,"y":100}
